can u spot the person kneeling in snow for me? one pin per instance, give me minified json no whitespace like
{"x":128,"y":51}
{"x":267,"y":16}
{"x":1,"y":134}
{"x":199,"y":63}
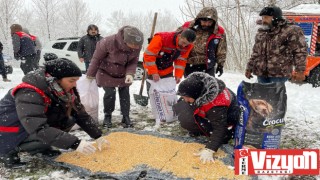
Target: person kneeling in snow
{"x":207,"y":108}
{"x":38,"y":113}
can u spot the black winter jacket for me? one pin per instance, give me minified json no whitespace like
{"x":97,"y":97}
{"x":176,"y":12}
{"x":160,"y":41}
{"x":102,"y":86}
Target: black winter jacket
{"x":49,"y":125}
{"x":87,"y":46}
{"x":217,"y":119}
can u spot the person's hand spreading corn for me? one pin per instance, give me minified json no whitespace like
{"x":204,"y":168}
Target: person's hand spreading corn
{"x":101,"y":141}
{"x":206,"y":155}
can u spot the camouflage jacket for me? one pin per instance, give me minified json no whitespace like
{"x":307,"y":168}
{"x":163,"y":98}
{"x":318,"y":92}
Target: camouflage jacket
{"x":276,"y":51}
{"x":210,"y":46}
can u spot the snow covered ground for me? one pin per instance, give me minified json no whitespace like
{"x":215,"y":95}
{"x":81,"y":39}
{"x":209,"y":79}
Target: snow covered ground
{"x":301,"y":130}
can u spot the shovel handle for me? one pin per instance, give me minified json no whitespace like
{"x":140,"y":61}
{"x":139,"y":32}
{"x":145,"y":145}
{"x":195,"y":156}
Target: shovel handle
{"x":142,"y":82}
{"x":151,"y":35}
{"x":154,"y":24}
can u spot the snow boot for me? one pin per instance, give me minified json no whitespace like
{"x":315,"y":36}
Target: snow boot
{"x":6,"y":80}
{"x":107,"y":121}
{"x":126,"y":122}
{"x":11,"y":160}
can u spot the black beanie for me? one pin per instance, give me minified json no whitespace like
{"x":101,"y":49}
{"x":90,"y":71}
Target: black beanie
{"x":273,"y":11}
{"x":61,"y":68}
{"x":191,"y":87}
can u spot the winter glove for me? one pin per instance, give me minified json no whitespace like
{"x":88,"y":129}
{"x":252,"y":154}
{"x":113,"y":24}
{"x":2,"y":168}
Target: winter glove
{"x":155,"y":77}
{"x":89,"y":78}
{"x":219,"y":70}
{"x":129,"y":79}
{"x":86,"y":147}
{"x":248,"y":74}
{"x":298,"y":76}
{"x":177,"y":80}
{"x":101,"y":141}
{"x":206,"y":155}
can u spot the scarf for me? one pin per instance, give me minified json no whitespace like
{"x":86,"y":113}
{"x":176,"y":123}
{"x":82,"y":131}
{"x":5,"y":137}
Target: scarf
{"x":67,"y":97}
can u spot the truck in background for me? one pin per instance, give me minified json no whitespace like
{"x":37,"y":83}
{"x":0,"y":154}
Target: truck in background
{"x":307,"y":16}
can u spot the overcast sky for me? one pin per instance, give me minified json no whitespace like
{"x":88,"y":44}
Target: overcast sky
{"x":106,"y":7}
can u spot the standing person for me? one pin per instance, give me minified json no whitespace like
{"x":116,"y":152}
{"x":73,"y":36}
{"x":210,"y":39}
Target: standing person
{"x":38,"y":113}
{"x":278,"y":47}
{"x":113,"y":64}
{"x":23,"y":49}
{"x":87,"y":44}
{"x":210,"y":47}
{"x":2,"y":67}
{"x":167,"y":53}
{"x":207,"y":108}
{"x":37,"y":43}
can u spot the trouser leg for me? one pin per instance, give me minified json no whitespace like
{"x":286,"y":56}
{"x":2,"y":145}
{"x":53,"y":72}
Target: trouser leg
{"x":2,"y":69}
{"x":124,"y":100}
{"x":211,"y":72}
{"x":28,"y":63}
{"x":190,"y":68}
{"x":33,"y":145}
{"x":109,"y":99}
{"x":186,"y":117}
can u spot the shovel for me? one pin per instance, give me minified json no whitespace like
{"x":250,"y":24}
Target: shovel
{"x":138,"y":98}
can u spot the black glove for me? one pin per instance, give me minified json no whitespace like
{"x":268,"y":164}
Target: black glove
{"x":219,"y":70}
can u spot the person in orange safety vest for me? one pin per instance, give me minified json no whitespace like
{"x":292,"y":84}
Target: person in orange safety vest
{"x":167,"y":53}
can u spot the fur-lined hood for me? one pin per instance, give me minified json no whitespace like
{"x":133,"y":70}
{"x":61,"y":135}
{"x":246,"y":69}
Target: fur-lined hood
{"x":211,"y":87}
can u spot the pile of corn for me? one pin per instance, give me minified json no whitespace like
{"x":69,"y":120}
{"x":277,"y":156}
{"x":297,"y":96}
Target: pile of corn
{"x":128,"y":150}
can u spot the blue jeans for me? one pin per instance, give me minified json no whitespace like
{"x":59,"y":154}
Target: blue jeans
{"x":263,"y":80}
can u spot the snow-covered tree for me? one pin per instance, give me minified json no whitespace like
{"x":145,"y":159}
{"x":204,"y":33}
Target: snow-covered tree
{"x":8,"y":11}
{"x":76,"y":16}
{"x":47,"y":13}
{"x":142,"y":21}
{"x":238,"y":18}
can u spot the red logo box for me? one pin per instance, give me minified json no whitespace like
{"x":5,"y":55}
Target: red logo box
{"x":277,"y":162}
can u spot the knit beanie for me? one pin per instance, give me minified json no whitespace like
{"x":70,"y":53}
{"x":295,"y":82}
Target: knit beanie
{"x":61,"y":68}
{"x":190,"y":87}
{"x":132,"y":35}
{"x":273,"y":11}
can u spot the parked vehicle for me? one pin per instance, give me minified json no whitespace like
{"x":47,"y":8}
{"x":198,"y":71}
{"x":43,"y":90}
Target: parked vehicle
{"x":67,"y":48}
{"x":307,"y":16}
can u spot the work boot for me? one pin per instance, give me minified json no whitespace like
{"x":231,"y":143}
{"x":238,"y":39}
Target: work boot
{"x":107,"y":121}
{"x":11,"y":160}
{"x":126,"y":122}
{"x":6,"y":80}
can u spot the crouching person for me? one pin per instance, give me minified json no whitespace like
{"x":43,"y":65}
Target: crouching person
{"x":38,"y":113}
{"x":207,"y":108}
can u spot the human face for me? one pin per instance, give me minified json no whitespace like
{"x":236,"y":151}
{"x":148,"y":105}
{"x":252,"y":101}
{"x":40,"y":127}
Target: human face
{"x":183,"y":42}
{"x":206,"y":23}
{"x":188,"y":99}
{"x":68,"y":83}
{"x":93,"y":32}
{"x":267,"y":22}
{"x":133,"y":46}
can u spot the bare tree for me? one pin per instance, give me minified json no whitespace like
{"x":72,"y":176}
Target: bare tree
{"x":8,"y":11}
{"x":143,"y":21}
{"x":46,"y":12}
{"x":77,"y":16}
{"x":238,"y":18}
